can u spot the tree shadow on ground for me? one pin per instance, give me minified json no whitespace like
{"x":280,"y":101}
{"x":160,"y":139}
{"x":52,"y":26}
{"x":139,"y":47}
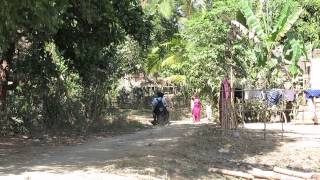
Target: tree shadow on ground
{"x":179,"y":151}
{"x":206,"y":147}
{"x":19,"y":149}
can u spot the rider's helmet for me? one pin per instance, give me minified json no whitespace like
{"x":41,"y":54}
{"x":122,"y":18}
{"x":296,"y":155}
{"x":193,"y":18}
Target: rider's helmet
{"x":160,"y":94}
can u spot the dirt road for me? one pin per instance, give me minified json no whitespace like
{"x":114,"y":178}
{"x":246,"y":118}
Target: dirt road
{"x":99,"y":158}
{"x":180,"y":151}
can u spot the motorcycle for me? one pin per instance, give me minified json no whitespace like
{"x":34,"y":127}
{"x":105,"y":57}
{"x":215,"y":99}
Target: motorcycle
{"x":161,"y":117}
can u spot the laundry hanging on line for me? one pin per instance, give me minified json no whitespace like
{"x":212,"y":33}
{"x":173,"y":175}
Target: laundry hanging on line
{"x":254,"y":94}
{"x":311,"y":93}
{"x":289,"y":95}
{"x":273,"y":96}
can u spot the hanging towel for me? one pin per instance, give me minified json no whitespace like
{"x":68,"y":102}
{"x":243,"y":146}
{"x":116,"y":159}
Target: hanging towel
{"x":289,"y":95}
{"x":311,"y":93}
{"x":226,"y":88}
{"x":273,"y":96}
{"x":254,"y":94}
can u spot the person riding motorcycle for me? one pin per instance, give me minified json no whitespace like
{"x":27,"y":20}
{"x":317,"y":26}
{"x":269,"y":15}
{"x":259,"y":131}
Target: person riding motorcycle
{"x":159,"y":104}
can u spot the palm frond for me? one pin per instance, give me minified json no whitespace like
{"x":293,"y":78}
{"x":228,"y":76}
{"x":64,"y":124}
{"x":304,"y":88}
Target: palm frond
{"x":154,"y":65}
{"x":166,"y":8}
{"x":172,"y":60}
{"x":180,"y":79}
{"x":154,"y":61}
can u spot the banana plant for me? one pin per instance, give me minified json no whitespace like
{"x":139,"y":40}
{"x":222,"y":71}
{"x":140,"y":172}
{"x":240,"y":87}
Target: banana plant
{"x":269,"y":34}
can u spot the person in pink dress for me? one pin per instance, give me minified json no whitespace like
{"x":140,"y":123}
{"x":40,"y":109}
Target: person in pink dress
{"x":191,"y":105}
{"x":196,"y":111}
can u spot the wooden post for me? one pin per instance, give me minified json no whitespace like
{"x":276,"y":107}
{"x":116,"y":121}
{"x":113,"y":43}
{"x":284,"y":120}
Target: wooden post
{"x":293,"y":173}
{"x":265,"y":123}
{"x":228,"y":172}
{"x":314,"y":82}
{"x":231,"y":85}
{"x":243,"y":106}
{"x":232,"y":119}
{"x":282,"y":112}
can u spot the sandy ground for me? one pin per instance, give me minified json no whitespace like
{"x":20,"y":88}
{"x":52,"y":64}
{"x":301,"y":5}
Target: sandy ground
{"x":182,"y":150}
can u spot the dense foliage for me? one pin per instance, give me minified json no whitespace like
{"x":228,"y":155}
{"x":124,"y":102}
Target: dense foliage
{"x":278,"y":34}
{"x":63,"y":53}
{"x":60,"y":58}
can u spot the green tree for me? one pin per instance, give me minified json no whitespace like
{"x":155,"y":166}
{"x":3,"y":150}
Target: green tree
{"x":308,"y":25}
{"x":196,"y":55}
{"x":85,"y":36}
{"x":269,"y":32}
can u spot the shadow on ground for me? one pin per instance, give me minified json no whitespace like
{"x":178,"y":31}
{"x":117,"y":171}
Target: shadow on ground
{"x":207,"y":146}
{"x":178,"y":151}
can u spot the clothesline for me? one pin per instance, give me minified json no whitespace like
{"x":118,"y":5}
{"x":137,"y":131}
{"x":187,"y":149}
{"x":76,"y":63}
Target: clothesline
{"x":277,"y":93}
{"x":240,"y":90}
{"x":273,"y":97}
{"x":278,"y":110}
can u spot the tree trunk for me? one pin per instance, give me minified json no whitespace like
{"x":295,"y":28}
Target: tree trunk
{"x":5,"y":70}
{"x":4,"y":86}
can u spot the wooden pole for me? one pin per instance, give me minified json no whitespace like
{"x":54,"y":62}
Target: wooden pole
{"x":231,"y":173}
{"x":293,"y":173}
{"x":232,"y":119}
{"x":231,"y":84}
{"x":243,"y":106}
